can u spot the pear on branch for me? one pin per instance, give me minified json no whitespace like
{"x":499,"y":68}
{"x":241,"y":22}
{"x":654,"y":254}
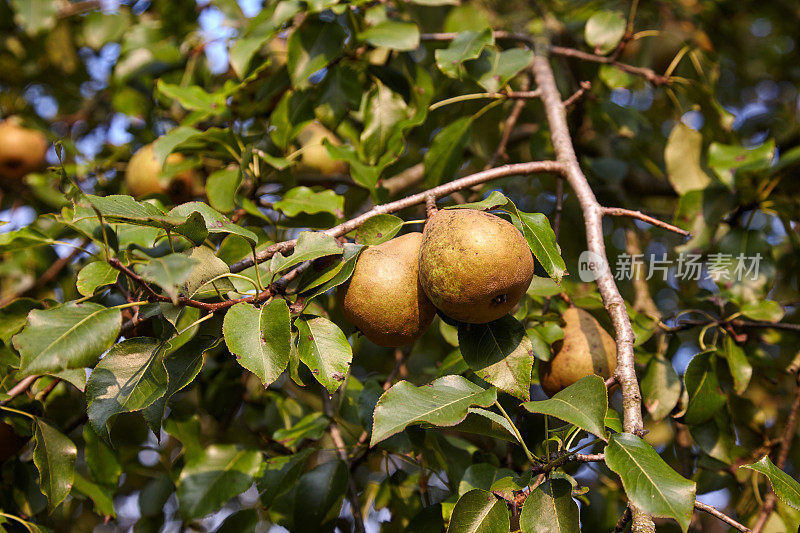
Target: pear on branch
{"x":22,"y":150}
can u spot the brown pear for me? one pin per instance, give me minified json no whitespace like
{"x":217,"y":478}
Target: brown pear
{"x":144,"y":176}
{"x":474,"y":266}
{"x":383,"y":298}
{"x":22,"y":150}
{"x":586,"y":349}
{"x":315,"y":154}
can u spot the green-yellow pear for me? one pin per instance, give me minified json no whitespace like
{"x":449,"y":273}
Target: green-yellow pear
{"x":22,"y":150}
{"x":383,"y":298}
{"x":314,"y":154}
{"x":586,"y":349}
{"x":474,"y":266}
{"x":144,"y":176}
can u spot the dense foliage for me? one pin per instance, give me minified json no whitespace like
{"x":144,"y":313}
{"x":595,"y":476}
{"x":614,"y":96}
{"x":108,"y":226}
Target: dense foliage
{"x":152,"y":376}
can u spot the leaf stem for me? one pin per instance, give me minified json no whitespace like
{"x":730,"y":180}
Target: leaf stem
{"x":531,"y":457}
{"x":17,"y":411}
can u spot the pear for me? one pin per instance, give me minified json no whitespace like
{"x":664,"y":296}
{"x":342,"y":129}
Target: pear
{"x":314,"y":154}
{"x":22,"y":150}
{"x":144,"y":176}
{"x":474,"y":266}
{"x":383,"y":298}
{"x":587,"y":349}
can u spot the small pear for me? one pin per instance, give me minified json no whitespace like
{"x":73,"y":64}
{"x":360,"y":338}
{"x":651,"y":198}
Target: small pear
{"x":144,"y":176}
{"x":22,"y":150}
{"x":383,"y":298}
{"x":314,"y":154}
{"x":474,"y":266}
{"x":587,"y":349}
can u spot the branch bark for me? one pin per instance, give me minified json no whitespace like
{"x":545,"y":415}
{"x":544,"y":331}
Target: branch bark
{"x":620,"y":212}
{"x":23,"y":385}
{"x":466,"y":182}
{"x":718,"y":514}
{"x":593,"y":217}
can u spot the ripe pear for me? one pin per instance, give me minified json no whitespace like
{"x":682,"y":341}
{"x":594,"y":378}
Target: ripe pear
{"x":474,"y":266}
{"x":383,"y":298}
{"x":314,"y":154}
{"x":144,"y":176}
{"x":586,"y":349}
{"x":22,"y":150}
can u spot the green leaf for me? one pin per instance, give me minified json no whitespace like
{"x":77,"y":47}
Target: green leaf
{"x":22,"y":239}
{"x":481,"y":476}
{"x":304,"y":200}
{"x":583,"y":404}
{"x":103,"y":503}
{"x":786,"y":488}
{"x":311,"y":47}
{"x":280,"y":473}
{"x":444,"y":402}
{"x":259,"y":337}
{"x":35,"y":15}
{"x":293,"y":113}
{"x":102,"y":461}
{"x":446,"y":153}
{"x":310,"y":245}
{"x":95,"y":274}
{"x":221,"y":187}
{"x":766,"y":310}
{"x":394,"y":34}
{"x":365,"y":175}
{"x":467,"y":45}
{"x":489,"y":423}
{"x":740,"y":368}
{"x":702,"y":386}
{"x":378,"y":229}
{"x":207,"y":267}
{"x":164,"y":145}
{"x":479,"y":511}
{"x":338,"y":274}
{"x":54,"y":457}
{"x":384,"y":113}
{"x":191,"y":97}
{"x":727,"y":159}
{"x":493,"y":70}
{"x":542,"y":242}
{"x":311,"y":426}
{"x":549,"y":508}
{"x":661,"y":388}
{"x":318,"y":496}
{"x":169,"y":272}
{"x":215,"y":221}
{"x":14,"y":315}
{"x":649,"y":482}
{"x":130,"y":377}
{"x":604,"y":31}
{"x":242,"y":51}
{"x":68,"y":336}
{"x":217,"y":474}
{"x":182,"y":366}
{"x":499,"y":352}
{"x":324,"y":349}
{"x":682,"y":157}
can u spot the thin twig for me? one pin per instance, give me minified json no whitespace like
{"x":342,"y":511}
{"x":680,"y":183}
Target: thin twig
{"x":584,"y":86}
{"x":466,"y":182}
{"x":593,"y":216}
{"x":783,"y":453}
{"x":620,"y":212}
{"x":23,"y":385}
{"x":722,"y":516}
{"x":508,"y":127}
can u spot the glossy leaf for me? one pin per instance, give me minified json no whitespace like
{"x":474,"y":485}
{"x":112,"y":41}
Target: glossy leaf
{"x":378,"y":229}
{"x":443,"y":402}
{"x":583,"y":404}
{"x":259,"y":337}
{"x":479,"y":511}
{"x":217,"y":474}
{"x":54,"y":456}
{"x":785,"y":487}
{"x":324,"y":349}
{"x":492,"y":70}
{"x":766,"y":310}
{"x":549,"y":508}
{"x":702,"y":386}
{"x":68,"y":336}
{"x":130,"y":377}
{"x":94,"y":275}
{"x":310,"y":245}
{"x":649,"y":482}
{"x":465,"y":46}
{"x":304,"y":200}
{"x":500,"y":352}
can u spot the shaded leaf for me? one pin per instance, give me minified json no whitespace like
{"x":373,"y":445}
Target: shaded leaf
{"x":481,"y":476}
{"x":446,"y":153}
{"x":786,"y":488}
{"x":466,"y":45}
{"x":311,"y":47}
{"x":54,"y":457}
{"x":604,"y":31}
{"x":739,"y":366}
{"x":661,"y":388}
{"x":702,"y":386}
{"x":311,"y":426}
{"x":168,"y":272}
{"x":443,"y":402}
{"x":549,"y":508}
{"x":493,"y":70}
{"x":280,"y":473}
{"x":682,"y":157}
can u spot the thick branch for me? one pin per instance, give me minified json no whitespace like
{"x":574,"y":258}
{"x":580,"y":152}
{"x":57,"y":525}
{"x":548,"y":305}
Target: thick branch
{"x":593,"y":217}
{"x":620,"y":212}
{"x":722,"y":516}
{"x":409,"y":201}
